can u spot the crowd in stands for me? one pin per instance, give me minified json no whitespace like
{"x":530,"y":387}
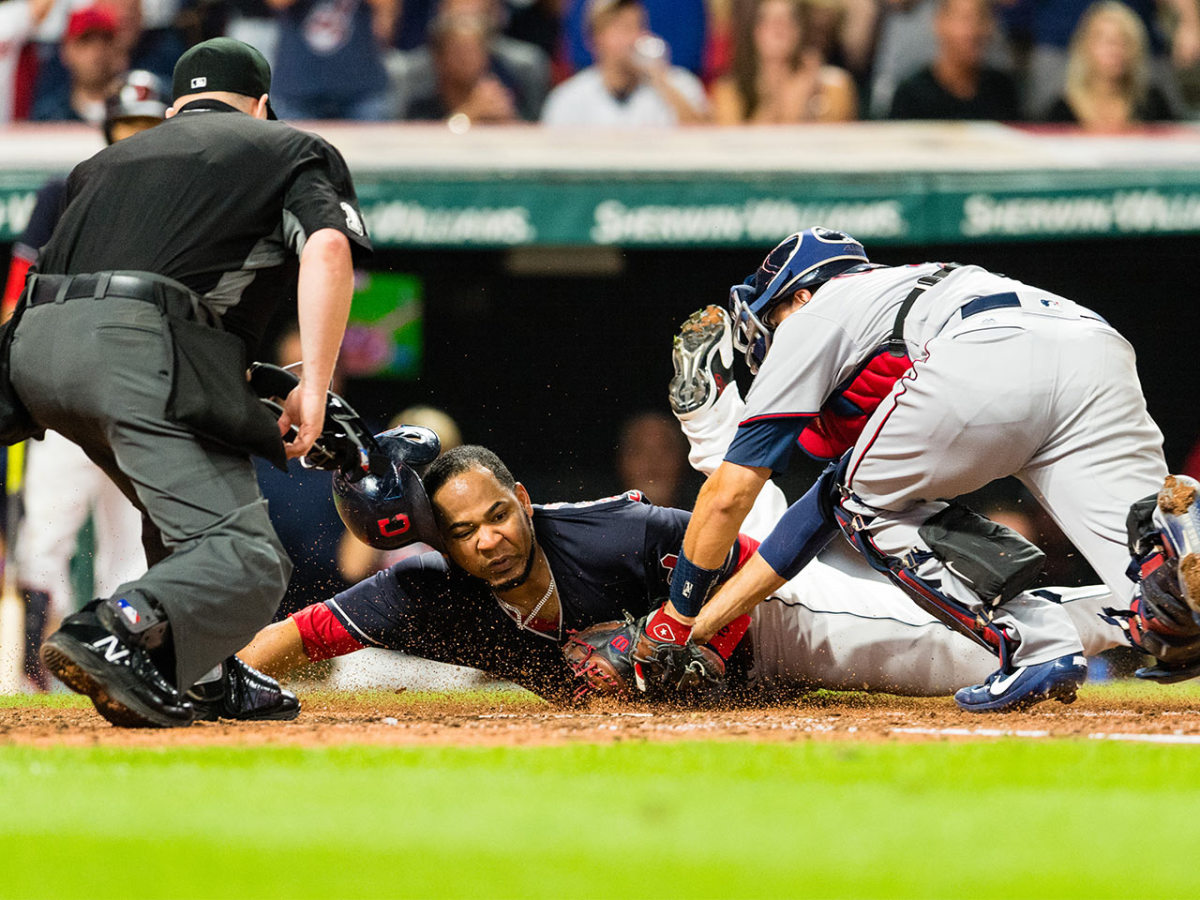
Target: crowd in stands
{"x":1106,"y":65}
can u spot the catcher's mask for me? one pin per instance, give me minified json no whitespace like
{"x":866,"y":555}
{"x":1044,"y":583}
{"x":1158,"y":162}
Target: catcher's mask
{"x":805,"y":259}
{"x":387,"y":508}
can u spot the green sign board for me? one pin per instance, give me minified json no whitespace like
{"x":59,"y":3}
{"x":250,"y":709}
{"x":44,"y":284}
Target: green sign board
{"x":654,"y":210}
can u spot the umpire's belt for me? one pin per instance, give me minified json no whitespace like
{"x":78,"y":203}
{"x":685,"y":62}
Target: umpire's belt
{"x":168,"y":295}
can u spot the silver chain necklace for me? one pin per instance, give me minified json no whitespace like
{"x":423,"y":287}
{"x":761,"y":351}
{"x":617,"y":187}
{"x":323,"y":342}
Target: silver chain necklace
{"x":516,"y":613}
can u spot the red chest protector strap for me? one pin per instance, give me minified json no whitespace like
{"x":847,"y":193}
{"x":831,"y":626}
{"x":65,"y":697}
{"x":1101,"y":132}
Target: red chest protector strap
{"x":845,"y":413}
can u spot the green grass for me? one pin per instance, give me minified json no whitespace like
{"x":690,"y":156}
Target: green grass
{"x":990,"y":819}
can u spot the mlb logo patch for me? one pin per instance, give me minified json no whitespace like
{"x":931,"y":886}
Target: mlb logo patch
{"x":127,"y":610}
{"x":200,"y":82}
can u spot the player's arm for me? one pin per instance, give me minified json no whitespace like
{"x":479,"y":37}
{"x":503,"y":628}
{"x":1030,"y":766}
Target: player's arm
{"x":802,"y":532}
{"x":325,"y":287}
{"x":689,"y":110}
{"x":324,"y":227}
{"x":276,"y":650}
{"x":723,"y":504}
{"x":750,"y":585}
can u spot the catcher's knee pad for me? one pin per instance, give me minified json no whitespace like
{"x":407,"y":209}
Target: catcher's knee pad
{"x":996,"y":561}
{"x":903,"y":572}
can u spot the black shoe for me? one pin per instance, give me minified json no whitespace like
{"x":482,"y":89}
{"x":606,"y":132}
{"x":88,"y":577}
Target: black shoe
{"x":120,"y":679}
{"x":243,"y":693}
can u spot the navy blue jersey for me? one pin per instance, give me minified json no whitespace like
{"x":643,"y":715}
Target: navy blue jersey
{"x":51,"y":198}
{"x":610,"y":558}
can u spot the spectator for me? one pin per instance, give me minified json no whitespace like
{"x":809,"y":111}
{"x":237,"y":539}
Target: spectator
{"x":536,"y":22}
{"x":903,"y":47}
{"x":1052,"y":25}
{"x":845,"y":32}
{"x":525,"y":66}
{"x":683,"y":24}
{"x":458,"y":75}
{"x":330,"y":59}
{"x":18,"y":19}
{"x":93,"y":59}
{"x":652,"y":457}
{"x":958,"y":84}
{"x":631,"y":82}
{"x":778,"y":78}
{"x":1108,"y":85}
{"x":253,"y":22}
{"x":143,"y":41}
{"x":154,"y":48}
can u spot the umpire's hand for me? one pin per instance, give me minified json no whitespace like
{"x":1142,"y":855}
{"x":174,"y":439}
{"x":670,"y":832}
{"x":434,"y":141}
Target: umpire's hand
{"x":304,"y":408}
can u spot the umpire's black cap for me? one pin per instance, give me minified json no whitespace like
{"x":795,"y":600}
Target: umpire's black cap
{"x":223,"y":64}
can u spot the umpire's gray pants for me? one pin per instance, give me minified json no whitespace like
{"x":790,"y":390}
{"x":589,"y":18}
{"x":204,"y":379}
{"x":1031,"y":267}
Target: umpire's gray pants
{"x":99,"y":372}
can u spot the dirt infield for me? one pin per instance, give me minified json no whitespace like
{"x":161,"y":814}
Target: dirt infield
{"x":511,"y":720}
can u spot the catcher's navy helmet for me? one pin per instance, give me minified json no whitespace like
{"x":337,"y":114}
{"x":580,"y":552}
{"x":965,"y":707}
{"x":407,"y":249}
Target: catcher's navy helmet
{"x":138,"y":96}
{"x":805,"y":259}
{"x":387,"y":508}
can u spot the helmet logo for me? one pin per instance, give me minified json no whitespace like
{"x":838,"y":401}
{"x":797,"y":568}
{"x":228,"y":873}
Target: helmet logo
{"x":402,"y":525}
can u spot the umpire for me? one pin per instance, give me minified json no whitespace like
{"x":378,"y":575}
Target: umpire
{"x":133,"y":336}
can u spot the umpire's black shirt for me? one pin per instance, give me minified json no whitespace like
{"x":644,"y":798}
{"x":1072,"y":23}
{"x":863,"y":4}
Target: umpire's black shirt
{"x":214,"y":198}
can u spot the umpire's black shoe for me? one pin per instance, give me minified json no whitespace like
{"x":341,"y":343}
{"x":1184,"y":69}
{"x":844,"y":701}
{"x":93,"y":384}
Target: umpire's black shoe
{"x":121,"y":680}
{"x":243,"y":693}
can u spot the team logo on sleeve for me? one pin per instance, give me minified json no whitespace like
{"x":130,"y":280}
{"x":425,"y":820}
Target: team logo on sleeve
{"x":353,"y":220}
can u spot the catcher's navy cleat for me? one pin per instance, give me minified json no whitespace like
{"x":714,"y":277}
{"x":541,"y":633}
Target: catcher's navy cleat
{"x":703,"y":359}
{"x":119,"y":677}
{"x":243,"y":693}
{"x":1020,"y":687}
{"x":1178,"y":520}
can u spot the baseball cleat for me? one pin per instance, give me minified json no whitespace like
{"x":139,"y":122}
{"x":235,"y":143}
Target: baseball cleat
{"x":703,"y":359}
{"x":121,"y":680}
{"x":1020,"y":687}
{"x":242,"y":693}
{"x":1178,"y":520}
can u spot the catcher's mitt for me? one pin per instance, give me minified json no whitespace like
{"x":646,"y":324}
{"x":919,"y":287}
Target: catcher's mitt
{"x":615,"y":659}
{"x":599,"y":657}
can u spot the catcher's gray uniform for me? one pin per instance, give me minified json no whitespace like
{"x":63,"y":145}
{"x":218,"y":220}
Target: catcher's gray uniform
{"x":1007,"y":379}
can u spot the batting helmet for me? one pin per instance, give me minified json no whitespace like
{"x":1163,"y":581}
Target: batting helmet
{"x":806,"y":259}
{"x":389,"y":509}
{"x":138,"y":96}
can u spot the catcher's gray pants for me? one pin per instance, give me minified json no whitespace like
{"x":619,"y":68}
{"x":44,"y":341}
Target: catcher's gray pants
{"x":99,"y":373}
{"x":1055,"y":402}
